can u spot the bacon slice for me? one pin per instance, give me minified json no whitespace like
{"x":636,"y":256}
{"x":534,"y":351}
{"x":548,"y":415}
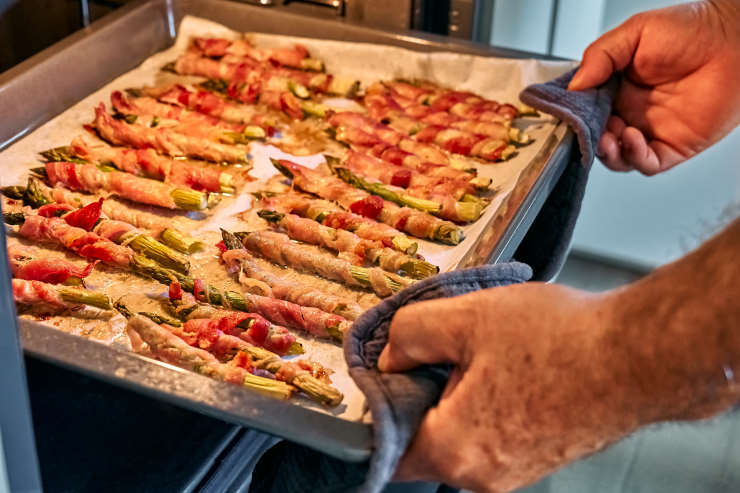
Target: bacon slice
{"x":413,"y":222}
{"x":31,"y":292}
{"x":88,"y":178}
{"x":27,"y":263}
{"x":85,"y":244}
{"x":241,"y":261}
{"x":147,"y":163}
{"x":278,"y":248}
{"x":165,"y":141}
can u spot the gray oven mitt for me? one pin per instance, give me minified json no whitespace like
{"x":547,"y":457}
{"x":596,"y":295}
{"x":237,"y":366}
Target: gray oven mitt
{"x":399,"y":401}
{"x":545,"y":246}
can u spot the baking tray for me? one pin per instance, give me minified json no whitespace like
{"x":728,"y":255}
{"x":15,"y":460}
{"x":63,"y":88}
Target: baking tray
{"x":47,"y":84}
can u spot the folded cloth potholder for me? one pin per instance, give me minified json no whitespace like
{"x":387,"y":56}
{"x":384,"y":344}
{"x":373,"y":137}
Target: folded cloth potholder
{"x":399,"y":401}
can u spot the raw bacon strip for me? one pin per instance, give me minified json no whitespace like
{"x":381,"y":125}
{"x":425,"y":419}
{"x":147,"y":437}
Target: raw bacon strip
{"x":414,"y":222}
{"x":85,"y":244}
{"x":349,"y":246}
{"x":111,"y":208}
{"x":165,"y":141}
{"x":147,"y":163}
{"x":241,"y":261}
{"x":31,"y":292}
{"x":331,"y":215}
{"x":25,"y":263}
{"x":278,"y":248}
{"x":87,"y":177}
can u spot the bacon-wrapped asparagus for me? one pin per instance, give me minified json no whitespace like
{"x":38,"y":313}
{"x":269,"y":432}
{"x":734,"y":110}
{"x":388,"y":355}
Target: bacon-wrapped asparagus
{"x":208,"y":103}
{"x":29,"y":264}
{"x":278,"y":248}
{"x":309,"y":319}
{"x":446,"y":206}
{"x":239,"y":260}
{"x":38,"y":194}
{"x":165,"y":141}
{"x":331,"y":215}
{"x":27,"y":292}
{"x":89,"y":178}
{"x":149,"y":110}
{"x":415,"y":222}
{"x":146,"y":163}
{"x":250,"y":327}
{"x":349,"y":246}
{"x":157,"y":341}
{"x":84,"y":243}
{"x":163,"y":342}
{"x":417,"y":184}
{"x":295,"y":57}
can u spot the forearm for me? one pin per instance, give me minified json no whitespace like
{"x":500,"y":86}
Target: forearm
{"x":674,"y":337}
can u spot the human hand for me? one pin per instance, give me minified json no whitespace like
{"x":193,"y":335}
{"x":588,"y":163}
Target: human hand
{"x":680,"y":91}
{"x":535,"y":384}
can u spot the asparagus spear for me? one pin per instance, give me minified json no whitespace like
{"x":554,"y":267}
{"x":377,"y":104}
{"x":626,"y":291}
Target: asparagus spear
{"x":84,"y":297}
{"x":414,"y":267}
{"x":464,"y":211}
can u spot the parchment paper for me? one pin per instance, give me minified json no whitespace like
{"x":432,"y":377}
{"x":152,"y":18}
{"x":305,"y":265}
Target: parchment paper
{"x":495,"y":78}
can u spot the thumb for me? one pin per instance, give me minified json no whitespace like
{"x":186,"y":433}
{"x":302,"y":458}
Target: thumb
{"x":612,"y":52}
{"x":427,"y":332}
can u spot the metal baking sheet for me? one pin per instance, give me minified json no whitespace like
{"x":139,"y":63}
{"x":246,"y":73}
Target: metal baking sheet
{"x":45,"y":86}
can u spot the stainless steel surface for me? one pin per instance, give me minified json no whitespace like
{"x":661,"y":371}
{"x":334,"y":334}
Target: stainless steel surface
{"x":44,"y":86}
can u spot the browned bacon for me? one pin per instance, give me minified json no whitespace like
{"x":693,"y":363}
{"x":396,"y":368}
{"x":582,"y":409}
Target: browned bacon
{"x":165,"y":141}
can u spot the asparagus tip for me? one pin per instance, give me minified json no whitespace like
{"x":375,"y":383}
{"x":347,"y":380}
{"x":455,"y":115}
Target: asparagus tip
{"x":270,"y":216}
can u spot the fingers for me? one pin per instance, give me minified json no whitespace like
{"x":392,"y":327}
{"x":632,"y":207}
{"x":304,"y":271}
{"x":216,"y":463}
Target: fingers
{"x":610,"y":53}
{"x":425,"y":333}
{"x":624,"y":148}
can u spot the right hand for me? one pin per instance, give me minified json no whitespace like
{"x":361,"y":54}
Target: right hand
{"x":681,"y":87}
